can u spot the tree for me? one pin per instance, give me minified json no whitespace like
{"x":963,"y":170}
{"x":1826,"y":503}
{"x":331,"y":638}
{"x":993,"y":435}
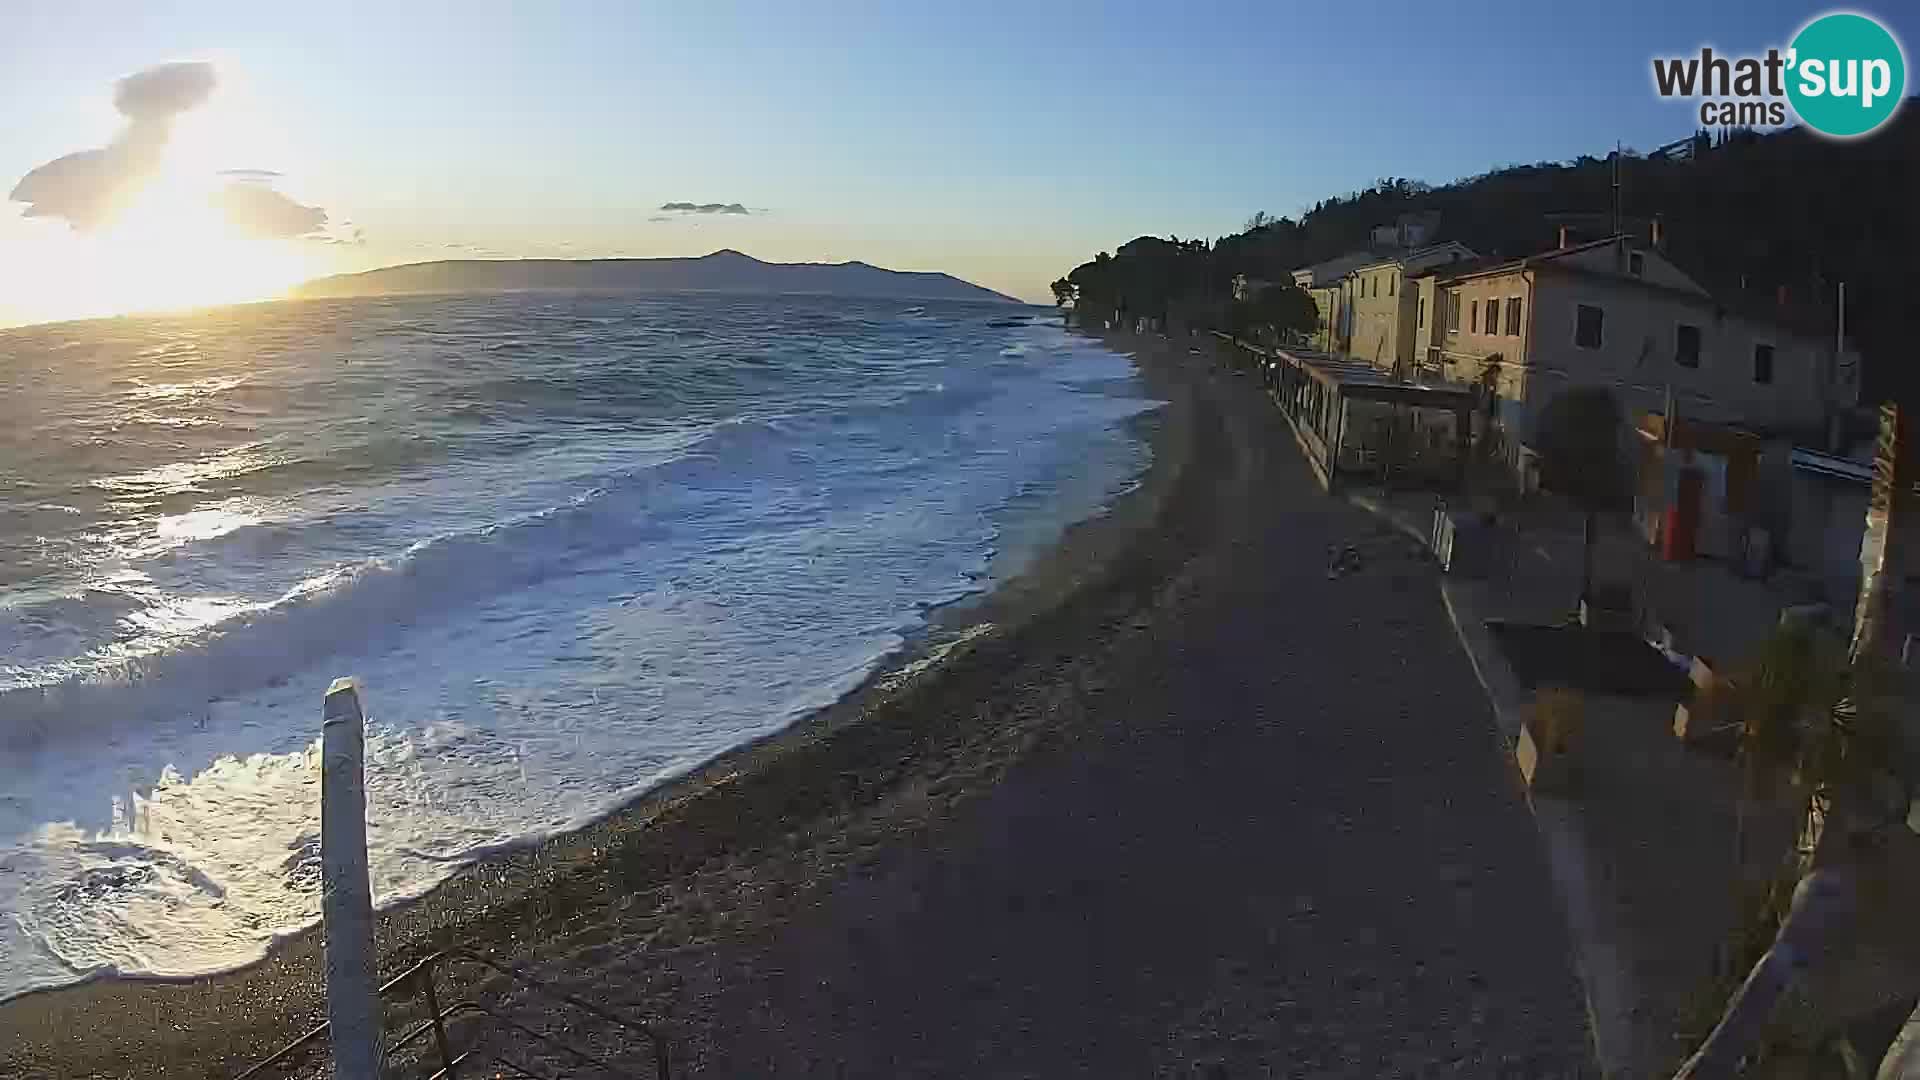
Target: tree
{"x":1285,"y":309}
{"x":1063,"y":292}
{"x":1578,"y":439}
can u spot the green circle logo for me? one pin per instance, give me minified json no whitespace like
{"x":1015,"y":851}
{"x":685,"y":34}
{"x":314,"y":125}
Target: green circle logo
{"x":1845,"y":74}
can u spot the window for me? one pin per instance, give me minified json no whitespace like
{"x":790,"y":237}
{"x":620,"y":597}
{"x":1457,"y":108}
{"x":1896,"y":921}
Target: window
{"x":1637,"y":264}
{"x":1420,"y":312}
{"x":1513,"y":316}
{"x":1686,"y":345}
{"x":1473,"y":316}
{"x":1492,"y":322}
{"x":1763,"y":363}
{"x":1453,"y":313}
{"x":1390,"y":284}
{"x":1589,"y":326}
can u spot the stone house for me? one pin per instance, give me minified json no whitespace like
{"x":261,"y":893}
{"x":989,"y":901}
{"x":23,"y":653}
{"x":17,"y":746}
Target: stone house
{"x":1619,"y":314}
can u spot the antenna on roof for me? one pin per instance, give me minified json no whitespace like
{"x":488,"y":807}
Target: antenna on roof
{"x":1616,"y":187}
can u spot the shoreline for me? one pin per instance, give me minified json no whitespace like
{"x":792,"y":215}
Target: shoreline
{"x":510,"y":899}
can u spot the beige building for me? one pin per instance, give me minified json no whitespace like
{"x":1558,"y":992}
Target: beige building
{"x":1325,"y":282}
{"x":1619,"y":314}
{"x":1380,"y":308}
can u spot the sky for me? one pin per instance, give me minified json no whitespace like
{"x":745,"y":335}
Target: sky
{"x":1000,"y":143}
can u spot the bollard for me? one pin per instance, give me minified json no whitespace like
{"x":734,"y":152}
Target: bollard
{"x":346,"y":898}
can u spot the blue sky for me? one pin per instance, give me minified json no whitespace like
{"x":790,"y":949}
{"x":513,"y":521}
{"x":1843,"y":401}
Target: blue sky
{"x":1003,"y":143}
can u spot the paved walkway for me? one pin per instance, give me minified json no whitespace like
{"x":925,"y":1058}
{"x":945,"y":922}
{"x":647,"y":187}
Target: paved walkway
{"x":1642,"y":846}
{"x":1281,"y":844}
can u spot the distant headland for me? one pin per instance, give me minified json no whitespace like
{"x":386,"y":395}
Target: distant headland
{"x":725,"y":271}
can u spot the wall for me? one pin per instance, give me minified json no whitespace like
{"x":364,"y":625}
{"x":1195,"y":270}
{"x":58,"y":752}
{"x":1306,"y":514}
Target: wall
{"x":1499,"y":360}
{"x":1829,"y":517}
{"x":1379,"y":306}
{"x":1639,"y":346}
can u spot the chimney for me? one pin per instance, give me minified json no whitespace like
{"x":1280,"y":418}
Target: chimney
{"x":1566,"y":237}
{"x":1659,"y":236}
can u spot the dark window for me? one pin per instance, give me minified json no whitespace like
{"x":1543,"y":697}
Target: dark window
{"x":1513,"y":317}
{"x":1420,"y":312}
{"x":1686,"y":345}
{"x":1763,"y":363}
{"x":1492,"y":322}
{"x":1473,"y":316}
{"x":1390,"y":284}
{"x":1636,"y":264}
{"x":1453,"y":313}
{"x":1588,"y":326}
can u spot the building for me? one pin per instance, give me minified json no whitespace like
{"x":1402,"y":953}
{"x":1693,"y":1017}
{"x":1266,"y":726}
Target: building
{"x":1618,"y":314}
{"x":1381,"y":310}
{"x":1408,"y":231}
{"x":1324,"y":282}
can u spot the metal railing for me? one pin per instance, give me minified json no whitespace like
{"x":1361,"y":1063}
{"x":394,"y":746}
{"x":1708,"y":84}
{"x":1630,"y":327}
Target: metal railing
{"x":419,"y":978}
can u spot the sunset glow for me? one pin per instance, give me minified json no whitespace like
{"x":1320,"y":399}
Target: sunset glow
{"x":171,"y":250}
{"x":147,"y":221}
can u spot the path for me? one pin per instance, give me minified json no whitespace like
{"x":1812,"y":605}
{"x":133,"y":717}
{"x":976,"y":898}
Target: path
{"x":1281,"y":844}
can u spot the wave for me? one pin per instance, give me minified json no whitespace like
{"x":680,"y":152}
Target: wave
{"x":357,"y":605}
{"x":674,"y":527}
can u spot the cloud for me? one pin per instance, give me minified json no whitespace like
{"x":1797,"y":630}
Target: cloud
{"x":85,"y":187}
{"x":88,"y":187}
{"x":704,"y":208}
{"x":159,"y":93}
{"x":254,"y":206}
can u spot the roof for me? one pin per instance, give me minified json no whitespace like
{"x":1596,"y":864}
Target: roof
{"x":1335,"y":267}
{"x":1417,"y":254}
{"x":1814,"y":461}
{"x":1811,"y":321}
{"x":1482,"y":267}
{"x":1355,"y":379}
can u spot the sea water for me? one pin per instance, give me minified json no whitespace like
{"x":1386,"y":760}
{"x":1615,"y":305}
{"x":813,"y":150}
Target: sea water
{"x":572,"y":546}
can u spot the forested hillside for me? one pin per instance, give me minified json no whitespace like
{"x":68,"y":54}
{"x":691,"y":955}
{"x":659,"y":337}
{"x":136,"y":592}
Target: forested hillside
{"x":1745,"y":213}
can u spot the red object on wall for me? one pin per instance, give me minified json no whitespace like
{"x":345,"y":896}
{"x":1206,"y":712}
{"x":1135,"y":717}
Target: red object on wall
{"x":1682,"y":519}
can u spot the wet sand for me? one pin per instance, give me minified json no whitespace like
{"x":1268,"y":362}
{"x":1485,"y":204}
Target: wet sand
{"x":1189,"y":804}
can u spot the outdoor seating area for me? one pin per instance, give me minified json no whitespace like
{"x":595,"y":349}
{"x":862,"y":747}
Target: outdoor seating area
{"x":1357,"y":423}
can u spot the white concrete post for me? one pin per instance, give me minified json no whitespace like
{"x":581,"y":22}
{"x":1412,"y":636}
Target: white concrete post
{"x":346,"y":899}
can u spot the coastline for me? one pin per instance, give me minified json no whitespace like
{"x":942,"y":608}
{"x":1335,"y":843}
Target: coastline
{"x":768,"y":800}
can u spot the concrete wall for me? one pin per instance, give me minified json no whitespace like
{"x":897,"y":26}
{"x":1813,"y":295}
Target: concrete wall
{"x":1654,"y":268}
{"x":1638,"y":354}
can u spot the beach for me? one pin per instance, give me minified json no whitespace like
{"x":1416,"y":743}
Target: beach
{"x":1175,"y":798}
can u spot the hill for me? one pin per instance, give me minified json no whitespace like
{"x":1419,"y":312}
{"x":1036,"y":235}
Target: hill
{"x":1747,"y":214}
{"x":723,"y":271}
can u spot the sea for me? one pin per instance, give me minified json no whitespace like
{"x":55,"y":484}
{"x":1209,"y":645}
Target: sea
{"x":571,"y":545}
